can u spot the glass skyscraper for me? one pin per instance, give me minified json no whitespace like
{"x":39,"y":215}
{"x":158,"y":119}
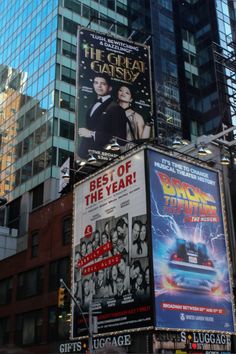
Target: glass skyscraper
{"x":200,"y":24}
{"x":28,"y":67}
{"x":37,"y":92}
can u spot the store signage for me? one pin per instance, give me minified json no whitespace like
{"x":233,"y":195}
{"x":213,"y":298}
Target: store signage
{"x":206,"y":338}
{"x":98,"y":343}
{"x":117,"y":341}
{"x":73,"y":347}
{"x":195,"y":337}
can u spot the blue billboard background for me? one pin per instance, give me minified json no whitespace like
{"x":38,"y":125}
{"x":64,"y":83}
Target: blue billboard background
{"x":191,"y":275}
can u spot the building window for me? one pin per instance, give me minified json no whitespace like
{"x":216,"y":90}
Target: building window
{"x":68,"y":75}
{"x":67,"y":130}
{"x":17,"y":178}
{"x":86,"y":12}
{"x":58,"y":269}
{"x":70,"y":26}
{"x":122,"y":31}
{"x":73,"y":5}
{"x":18,"y":150}
{"x":14,"y":213}
{"x":29,"y":116}
{"x":121,"y":8}
{"x":105,"y":21}
{"x":51,"y":155}
{"x":69,"y":50}
{"x":37,"y":196}
{"x":40,"y":135}
{"x":34,"y":244}
{"x":66,"y":230}
{"x":28,"y":144}
{"x":166,"y":4}
{"x":20,"y":124}
{"x":4,"y":330}
{"x":30,"y":283}
{"x":67,"y":102}
{"x":26,"y":172}
{"x":2,"y":216}
{"x":39,"y":164}
{"x":94,"y":15}
{"x":58,"y":328}
{"x":29,"y":328}
{"x":63,"y":156}
{"x":5,"y":291}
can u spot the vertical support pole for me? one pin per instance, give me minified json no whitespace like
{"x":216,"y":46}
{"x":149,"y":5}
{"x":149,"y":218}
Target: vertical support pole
{"x":90,"y":328}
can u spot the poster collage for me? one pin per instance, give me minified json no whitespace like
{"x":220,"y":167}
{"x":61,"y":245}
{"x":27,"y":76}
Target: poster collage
{"x":111,"y":247}
{"x":124,"y":282}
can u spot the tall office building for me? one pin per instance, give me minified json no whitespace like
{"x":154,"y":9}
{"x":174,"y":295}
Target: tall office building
{"x":38,"y":76}
{"x":37,"y":93}
{"x":154,"y":23}
{"x":204,"y":28}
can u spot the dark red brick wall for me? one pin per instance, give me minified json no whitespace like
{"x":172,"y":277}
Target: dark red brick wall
{"x":48,"y":221}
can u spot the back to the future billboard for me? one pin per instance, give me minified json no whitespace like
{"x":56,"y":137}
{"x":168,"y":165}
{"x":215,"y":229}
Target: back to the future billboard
{"x":189,"y":247}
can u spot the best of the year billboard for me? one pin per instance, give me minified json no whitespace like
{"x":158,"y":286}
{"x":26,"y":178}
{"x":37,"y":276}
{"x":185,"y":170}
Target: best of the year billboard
{"x":114,"y":97}
{"x":190,"y":252}
{"x":110,"y":248}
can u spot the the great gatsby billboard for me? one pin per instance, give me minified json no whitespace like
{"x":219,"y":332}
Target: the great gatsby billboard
{"x":111,"y":253}
{"x":113,"y":92}
{"x":190,"y":253}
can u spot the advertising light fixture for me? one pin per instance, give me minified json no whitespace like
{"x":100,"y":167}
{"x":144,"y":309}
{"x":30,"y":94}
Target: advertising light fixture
{"x":202,"y":151}
{"x":91,"y":159}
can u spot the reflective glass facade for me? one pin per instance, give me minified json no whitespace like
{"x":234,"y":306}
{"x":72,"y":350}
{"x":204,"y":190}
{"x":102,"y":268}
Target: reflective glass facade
{"x":167,"y":96}
{"x":153,"y":23}
{"x":226,"y":19}
{"x":199,"y":23}
{"x":27,"y":86}
{"x":37,"y":83}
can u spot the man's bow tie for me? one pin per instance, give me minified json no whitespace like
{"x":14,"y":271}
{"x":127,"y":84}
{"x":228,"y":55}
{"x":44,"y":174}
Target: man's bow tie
{"x":99,"y":100}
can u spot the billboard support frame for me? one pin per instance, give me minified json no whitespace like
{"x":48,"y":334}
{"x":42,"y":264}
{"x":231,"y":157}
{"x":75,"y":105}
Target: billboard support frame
{"x":148,"y":201}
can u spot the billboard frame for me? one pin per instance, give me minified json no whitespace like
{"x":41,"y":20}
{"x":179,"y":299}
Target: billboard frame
{"x":117,"y":161}
{"x":109,"y":156}
{"x":196,"y":162}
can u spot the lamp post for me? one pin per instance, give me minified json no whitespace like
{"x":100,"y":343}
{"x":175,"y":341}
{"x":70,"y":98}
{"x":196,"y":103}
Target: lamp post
{"x":90,"y":328}
{"x":90,"y":324}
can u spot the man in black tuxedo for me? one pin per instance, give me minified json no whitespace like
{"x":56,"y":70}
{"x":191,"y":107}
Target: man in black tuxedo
{"x":120,"y":287}
{"x":104,"y":119}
